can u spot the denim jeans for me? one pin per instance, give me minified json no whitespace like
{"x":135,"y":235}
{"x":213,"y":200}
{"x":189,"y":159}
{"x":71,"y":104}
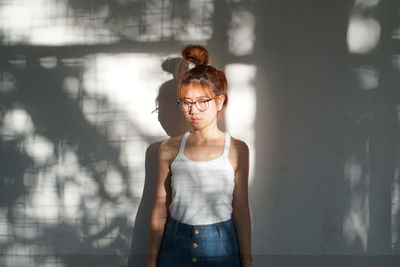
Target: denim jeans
{"x":199,"y":245}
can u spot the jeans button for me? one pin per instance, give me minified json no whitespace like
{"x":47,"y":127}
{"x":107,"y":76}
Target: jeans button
{"x":194,"y":245}
{"x":194,"y":259}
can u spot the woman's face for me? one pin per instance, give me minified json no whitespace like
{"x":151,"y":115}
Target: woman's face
{"x":198,"y":117}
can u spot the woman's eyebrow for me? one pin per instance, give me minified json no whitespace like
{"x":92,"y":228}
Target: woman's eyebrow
{"x":187,"y":98}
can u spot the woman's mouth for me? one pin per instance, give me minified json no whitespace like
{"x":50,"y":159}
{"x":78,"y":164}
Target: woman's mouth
{"x":194,"y":120}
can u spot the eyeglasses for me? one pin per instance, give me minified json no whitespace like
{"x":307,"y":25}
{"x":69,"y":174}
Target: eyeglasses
{"x":201,"y":104}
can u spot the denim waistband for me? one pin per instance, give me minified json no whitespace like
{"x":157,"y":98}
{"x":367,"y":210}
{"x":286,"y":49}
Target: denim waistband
{"x":198,"y":231}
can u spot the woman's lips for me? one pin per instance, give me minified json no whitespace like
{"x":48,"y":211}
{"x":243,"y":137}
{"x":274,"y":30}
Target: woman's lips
{"x":195,"y":120}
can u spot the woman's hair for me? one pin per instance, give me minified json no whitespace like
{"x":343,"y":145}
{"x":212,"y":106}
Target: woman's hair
{"x":209,"y":77}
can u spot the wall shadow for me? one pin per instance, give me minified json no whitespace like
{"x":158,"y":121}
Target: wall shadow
{"x":312,"y":118}
{"x":300,"y":126}
{"x":174,"y":124}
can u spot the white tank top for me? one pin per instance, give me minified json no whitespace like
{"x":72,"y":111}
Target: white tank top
{"x":201,"y":190}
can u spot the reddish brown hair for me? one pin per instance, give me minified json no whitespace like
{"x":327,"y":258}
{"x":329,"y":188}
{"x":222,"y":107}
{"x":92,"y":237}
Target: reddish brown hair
{"x":209,"y":77}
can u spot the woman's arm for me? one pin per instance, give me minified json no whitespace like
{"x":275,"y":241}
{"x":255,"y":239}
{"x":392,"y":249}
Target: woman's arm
{"x":159,"y":212}
{"x":241,"y":210}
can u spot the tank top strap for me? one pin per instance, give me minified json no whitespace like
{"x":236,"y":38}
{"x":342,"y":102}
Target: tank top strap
{"x":227,"y":144}
{"x":183,"y":142}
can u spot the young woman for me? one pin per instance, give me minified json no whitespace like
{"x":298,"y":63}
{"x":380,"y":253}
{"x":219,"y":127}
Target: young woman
{"x":201,"y":213}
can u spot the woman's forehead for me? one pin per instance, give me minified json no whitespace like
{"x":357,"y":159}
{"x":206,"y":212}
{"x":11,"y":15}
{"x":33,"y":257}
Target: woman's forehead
{"x":195,"y":90}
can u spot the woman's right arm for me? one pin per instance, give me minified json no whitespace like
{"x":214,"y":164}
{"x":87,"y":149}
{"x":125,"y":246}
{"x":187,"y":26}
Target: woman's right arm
{"x":159,"y":212}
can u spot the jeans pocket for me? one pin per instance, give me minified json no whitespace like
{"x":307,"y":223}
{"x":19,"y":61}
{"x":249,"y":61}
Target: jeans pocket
{"x":228,"y":247}
{"x":229,"y":243}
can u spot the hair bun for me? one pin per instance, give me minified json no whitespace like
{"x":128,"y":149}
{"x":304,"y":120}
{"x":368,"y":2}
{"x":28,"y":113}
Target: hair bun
{"x":195,"y":54}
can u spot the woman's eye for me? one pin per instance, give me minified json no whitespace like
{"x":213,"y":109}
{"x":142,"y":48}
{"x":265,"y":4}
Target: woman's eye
{"x":201,"y":102}
{"x":186,"y":103}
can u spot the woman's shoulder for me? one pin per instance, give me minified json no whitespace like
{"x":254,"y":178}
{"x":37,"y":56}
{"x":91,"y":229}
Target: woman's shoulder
{"x":239,"y":146}
{"x":169,"y":148}
{"x":239,"y":154}
{"x":171,"y":143}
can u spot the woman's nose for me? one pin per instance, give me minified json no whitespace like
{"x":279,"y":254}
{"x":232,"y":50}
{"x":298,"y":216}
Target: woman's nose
{"x":193,"y":109}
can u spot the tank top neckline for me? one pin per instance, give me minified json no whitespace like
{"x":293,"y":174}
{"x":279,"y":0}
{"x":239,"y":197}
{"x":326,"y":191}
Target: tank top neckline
{"x":223,"y":155}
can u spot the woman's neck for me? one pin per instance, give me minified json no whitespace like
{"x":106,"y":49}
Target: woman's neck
{"x":207,"y":133}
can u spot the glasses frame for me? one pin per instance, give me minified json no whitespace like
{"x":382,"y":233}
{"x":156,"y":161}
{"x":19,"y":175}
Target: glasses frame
{"x":195,"y":103}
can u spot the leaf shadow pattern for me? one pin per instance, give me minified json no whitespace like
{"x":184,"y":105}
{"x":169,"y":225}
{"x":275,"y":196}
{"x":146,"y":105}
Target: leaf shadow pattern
{"x":68,"y":201}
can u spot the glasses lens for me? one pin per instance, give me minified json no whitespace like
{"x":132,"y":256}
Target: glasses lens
{"x":184,"y":105}
{"x":202,"y":105}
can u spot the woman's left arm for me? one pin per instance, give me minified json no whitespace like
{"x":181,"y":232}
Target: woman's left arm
{"x":241,"y":210}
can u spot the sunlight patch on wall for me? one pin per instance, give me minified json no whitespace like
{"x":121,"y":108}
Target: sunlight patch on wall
{"x":396,"y":62}
{"x":70,"y":202}
{"x":366,"y":3}
{"x":241,"y":109}
{"x":242,"y":33}
{"x":47,"y":22}
{"x":396,"y":33}
{"x":395,"y":210}
{"x":19,"y":62}
{"x":89,"y":192}
{"x":71,"y":86}
{"x":17,"y":123}
{"x":128,"y":82}
{"x":39,"y":148}
{"x":113,"y":182}
{"x":4,"y":225}
{"x":367,"y":76}
{"x":44,"y":203}
{"x":363,"y":31}
{"x":356,"y":219}
{"x":8,"y":84}
{"x":48,"y":62}
{"x":363,"y":34}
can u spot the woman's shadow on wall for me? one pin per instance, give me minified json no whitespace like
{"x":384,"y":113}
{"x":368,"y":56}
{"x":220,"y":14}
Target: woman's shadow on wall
{"x":174,"y":124}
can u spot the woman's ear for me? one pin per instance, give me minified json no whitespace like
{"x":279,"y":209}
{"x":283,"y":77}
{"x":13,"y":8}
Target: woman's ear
{"x":220,"y":101}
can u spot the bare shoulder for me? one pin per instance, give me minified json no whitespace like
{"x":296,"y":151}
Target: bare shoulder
{"x":239,"y":147}
{"x":169,"y":148}
{"x":238,"y":154}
